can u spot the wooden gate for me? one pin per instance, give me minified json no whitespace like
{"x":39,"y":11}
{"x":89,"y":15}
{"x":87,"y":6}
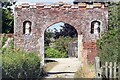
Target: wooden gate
{"x":73,"y":49}
{"x":109,"y":70}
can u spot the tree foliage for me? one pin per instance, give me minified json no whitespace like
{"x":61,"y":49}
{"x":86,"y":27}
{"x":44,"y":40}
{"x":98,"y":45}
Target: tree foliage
{"x":48,"y":35}
{"x":66,"y":31}
{"x":62,"y":42}
{"x":56,"y":43}
{"x":109,"y":44}
{"x":7,"y":17}
{"x":59,"y":47}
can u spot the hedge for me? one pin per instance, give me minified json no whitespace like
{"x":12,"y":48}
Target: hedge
{"x":20,"y":64}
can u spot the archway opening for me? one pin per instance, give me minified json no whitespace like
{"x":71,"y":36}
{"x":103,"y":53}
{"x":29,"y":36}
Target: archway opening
{"x":60,"y":41}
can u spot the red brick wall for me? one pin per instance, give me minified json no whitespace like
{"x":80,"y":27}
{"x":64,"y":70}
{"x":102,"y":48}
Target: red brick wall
{"x":42,"y":16}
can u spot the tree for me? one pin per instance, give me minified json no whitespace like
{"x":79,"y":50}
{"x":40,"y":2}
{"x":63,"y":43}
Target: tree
{"x":56,"y":43}
{"x":109,"y":44}
{"x":48,"y":35}
{"x":7,"y":17}
{"x":66,"y":31}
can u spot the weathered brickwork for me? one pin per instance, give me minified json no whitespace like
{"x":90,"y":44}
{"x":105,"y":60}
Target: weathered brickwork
{"x":42,"y":16}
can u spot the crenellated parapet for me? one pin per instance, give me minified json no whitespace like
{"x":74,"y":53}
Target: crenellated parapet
{"x":61,"y":5}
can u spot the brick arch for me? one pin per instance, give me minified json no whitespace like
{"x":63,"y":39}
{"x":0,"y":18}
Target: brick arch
{"x":62,"y":22}
{"x":55,"y":22}
{"x":77,"y":28}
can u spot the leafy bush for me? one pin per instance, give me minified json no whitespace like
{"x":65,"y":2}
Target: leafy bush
{"x":108,"y":47}
{"x":53,"y":53}
{"x":109,"y":44}
{"x":20,"y":64}
{"x":61,"y":43}
{"x":59,"y":47}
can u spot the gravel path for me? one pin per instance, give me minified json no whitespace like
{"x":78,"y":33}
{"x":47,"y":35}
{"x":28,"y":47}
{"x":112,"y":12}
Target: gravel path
{"x":66,"y":68}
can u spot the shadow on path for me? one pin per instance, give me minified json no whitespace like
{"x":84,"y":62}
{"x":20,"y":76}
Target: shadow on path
{"x":59,"y":72}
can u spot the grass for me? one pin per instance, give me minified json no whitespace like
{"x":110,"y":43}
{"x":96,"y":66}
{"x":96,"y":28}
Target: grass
{"x":86,"y":71}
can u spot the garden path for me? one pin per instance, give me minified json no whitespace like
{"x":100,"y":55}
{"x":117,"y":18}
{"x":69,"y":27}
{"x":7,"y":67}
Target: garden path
{"x":66,"y":68}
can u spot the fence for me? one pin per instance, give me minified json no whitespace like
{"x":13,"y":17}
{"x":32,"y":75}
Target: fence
{"x":110,"y":70}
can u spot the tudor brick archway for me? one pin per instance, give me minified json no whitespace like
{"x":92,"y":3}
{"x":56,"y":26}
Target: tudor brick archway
{"x":41,"y":39}
{"x":41,"y":16}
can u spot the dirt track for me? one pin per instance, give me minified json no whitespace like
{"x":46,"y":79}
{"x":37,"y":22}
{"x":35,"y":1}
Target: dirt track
{"x":65,"y":69}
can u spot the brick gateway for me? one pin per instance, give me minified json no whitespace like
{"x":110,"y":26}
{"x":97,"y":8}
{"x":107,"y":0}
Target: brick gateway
{"x":31,"y":20}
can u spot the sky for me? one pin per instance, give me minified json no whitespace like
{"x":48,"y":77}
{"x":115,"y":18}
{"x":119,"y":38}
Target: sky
{"x":57,"y":26}
{"x":45,"y":1}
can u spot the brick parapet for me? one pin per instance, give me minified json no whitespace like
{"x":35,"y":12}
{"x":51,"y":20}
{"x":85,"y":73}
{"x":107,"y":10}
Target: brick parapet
{"x":61,"y":5}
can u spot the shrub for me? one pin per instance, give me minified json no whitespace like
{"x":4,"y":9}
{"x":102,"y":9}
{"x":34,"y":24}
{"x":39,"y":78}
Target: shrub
{"x":61,"y":43}
{"x":53,"y":53}
{"x":20,"y":64}
{"x":109,"y":44}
